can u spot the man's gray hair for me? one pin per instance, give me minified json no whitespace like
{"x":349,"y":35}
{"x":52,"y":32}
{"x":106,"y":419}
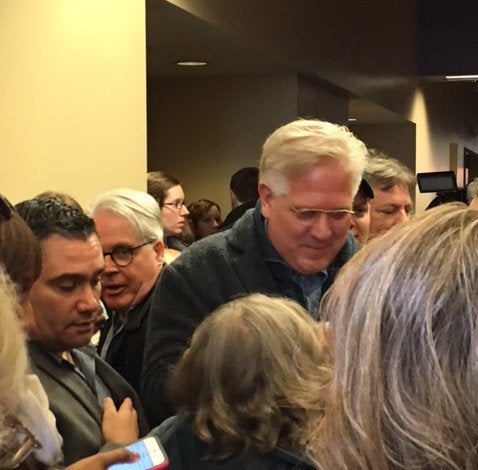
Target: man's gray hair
{"x":139,"y":208}
{"x":386,"y":172}
{"x":294,"y":148}
{"x":472,"y":190}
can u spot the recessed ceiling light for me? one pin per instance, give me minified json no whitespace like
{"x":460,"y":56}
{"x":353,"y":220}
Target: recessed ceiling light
{"x":462,"y":78}
{"x":191,"y":63}
{"x":352,"y":119}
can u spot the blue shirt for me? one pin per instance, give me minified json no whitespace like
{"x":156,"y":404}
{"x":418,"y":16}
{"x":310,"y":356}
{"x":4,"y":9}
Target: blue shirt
{"x":307,"y":290}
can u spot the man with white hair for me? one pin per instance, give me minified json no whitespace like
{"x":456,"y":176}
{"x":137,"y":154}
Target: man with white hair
{"x":292,"y":244}
{"x":128,"y":224}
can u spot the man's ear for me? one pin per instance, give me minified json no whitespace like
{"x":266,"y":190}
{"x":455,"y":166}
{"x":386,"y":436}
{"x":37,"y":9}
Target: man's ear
{"x":234,"y":201}
{"x":266,"y":196}
{"x":158,"y":248}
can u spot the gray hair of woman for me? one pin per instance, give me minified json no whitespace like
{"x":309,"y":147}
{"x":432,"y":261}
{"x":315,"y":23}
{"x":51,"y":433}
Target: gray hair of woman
{"x":403,"y":320}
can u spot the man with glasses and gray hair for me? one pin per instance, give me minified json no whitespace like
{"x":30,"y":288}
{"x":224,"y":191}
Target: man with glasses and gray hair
{"x":292,"y":243}
{"x":128,"y":224}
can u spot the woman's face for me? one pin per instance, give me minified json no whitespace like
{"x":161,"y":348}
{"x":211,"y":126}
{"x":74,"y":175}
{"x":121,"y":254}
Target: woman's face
{"x":173,"y":212}
{"x":360,"y":223}
{"x":208,"y":223}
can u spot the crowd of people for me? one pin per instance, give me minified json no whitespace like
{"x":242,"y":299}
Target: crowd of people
{"x":318,"y":325}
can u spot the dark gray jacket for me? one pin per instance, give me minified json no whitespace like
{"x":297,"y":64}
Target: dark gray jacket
{"x":77,"y":410}
{"x":211,"y":272}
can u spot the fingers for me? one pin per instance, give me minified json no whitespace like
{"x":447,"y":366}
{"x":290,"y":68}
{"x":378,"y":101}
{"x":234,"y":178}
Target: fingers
{"x":119,"y":425}
{"x":109,"y":405}
{"x":126,"y":405}
{"x":117,"y":456}
{"x":103,"y":460}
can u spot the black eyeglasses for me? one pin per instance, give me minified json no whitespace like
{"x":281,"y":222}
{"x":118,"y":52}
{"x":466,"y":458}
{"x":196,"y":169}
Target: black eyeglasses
{"x":17,"y":447}
{"x":124,"y":255}
{"x":6,"y":207}
{"x":178,"y":205}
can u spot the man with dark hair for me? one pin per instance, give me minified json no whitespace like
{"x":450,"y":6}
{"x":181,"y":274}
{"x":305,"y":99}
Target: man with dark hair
{"x":244,"y":194}
{"x":91,"y":402}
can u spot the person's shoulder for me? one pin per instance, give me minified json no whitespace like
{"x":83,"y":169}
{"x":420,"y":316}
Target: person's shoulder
{"x":350,"y":247}
{"x":216,"y":245}
{"x":40,"y":356}
{"x":213,"y":255}
{"x":168,"y":428}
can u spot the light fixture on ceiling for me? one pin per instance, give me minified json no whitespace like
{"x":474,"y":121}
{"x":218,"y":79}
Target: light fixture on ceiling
{"x":461,"y":78}
{"x":191,"y":63}
{"x":352,"y":119}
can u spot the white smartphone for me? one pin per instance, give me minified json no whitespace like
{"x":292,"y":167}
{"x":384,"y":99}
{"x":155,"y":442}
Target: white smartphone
{"x":152,"y":456}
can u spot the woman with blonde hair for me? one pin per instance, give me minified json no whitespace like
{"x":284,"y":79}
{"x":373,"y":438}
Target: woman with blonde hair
{"x":404,"y":330}
{"x":248,"y":390}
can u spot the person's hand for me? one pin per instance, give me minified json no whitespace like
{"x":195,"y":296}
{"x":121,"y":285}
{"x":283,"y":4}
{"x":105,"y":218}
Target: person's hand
{"x":119,"y":425}
{"x":103,"y":460}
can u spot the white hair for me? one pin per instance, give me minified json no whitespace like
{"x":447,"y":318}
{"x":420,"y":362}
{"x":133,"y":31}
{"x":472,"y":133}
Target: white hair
{"x":139,"y":208}
{"x":472,"y":189}
{"x":294,"y":148}
{"x":13,"y":357}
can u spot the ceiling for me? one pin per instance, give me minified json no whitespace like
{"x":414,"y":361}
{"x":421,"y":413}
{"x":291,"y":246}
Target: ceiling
{"x":174,"y":34}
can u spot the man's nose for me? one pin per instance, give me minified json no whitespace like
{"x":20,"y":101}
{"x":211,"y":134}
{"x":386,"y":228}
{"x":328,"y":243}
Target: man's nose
{"x":401,"y":216}
{"x":89,"y":300}
{"x":321,"y":227}
{"x":110,"y":265}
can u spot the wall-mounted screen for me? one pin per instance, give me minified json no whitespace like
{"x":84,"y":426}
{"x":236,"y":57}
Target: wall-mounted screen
{"x":437,"y":182}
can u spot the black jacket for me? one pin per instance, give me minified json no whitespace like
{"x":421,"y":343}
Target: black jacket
{"x":76,"y":408}
{"x":186,"y":452}
{"x":235,"y":215}
{"x":125,"y":352}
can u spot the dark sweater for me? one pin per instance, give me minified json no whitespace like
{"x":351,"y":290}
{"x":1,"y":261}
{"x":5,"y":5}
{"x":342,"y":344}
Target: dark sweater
{"x":186,"y":452}
{"x":211,"y":272}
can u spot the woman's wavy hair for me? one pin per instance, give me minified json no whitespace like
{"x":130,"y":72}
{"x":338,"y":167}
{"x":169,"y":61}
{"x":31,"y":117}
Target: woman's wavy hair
{"x":254,"y":377}
{"x":197,"y":209}
{"x":404,"y":329}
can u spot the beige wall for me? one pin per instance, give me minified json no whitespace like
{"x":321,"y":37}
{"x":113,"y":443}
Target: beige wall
{"x":73,"y":96}
{"x":202,"y":130}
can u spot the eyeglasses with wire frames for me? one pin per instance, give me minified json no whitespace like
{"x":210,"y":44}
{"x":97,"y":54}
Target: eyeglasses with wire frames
{"x":17,"y":447}
{"x":309,"y":217}
{"x":175,"y":205}
{"x":123,"y":255}
{"x":6,"y":208}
